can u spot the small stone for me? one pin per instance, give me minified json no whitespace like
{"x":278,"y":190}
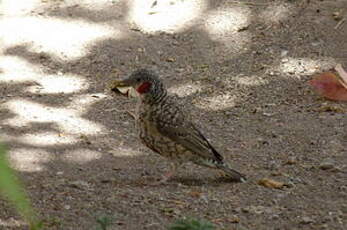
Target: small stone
{"x":79,"y":184}
{"x":245,"y":209}
{"x":337,"y":16}
{"x":326,"y":219}
{"x":344,"y":209}
{"x":290,"y":184}
{"x":324,"y":226}
{"x":284,"y":53}
{"x":284,"y":60}
{"x":306,"y":220}
{"x":237,"y":210}
{"x":327,"y":164}
{"x":275,"y":217}
{"x":291,"y":161}
{"x":243,"y":28}
{"x":272,"y":165}
{"x":257,"y":209}
{"x":170,"y":59}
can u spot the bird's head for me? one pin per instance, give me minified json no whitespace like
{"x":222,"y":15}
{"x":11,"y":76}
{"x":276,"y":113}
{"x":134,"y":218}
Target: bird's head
{"x":145,"y":82}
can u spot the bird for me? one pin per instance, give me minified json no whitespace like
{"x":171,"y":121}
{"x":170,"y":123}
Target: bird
{"x":164,"y":127}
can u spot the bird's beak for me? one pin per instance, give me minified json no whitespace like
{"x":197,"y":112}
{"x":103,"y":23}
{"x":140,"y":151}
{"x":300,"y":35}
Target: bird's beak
{"x":119,"y":86}
{"x":119,"y":83}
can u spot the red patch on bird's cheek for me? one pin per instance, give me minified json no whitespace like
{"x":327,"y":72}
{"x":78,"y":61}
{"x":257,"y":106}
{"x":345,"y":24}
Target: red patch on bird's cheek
{"x":144,"y":87}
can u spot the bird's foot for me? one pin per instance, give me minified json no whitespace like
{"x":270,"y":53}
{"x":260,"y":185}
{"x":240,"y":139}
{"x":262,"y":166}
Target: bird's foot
{"x":163,"y":180}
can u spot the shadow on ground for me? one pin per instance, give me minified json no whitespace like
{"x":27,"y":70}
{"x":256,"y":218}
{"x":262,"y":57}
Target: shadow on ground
{"x":252,"y":102}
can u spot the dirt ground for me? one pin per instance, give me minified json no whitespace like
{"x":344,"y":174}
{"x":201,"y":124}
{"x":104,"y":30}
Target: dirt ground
{"x":239,"y":67}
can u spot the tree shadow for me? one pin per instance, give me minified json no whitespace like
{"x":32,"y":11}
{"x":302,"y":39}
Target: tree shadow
{"x":268,"y":122}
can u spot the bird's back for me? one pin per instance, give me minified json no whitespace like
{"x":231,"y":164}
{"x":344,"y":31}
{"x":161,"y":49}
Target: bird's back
{"x":166,"y":129}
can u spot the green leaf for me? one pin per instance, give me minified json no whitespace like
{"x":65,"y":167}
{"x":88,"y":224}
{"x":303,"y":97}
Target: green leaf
{"x":12,"y":190}
{"x":104,"y":222}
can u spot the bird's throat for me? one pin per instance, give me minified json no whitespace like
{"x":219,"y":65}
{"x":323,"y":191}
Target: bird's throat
{"x":144,"y":87}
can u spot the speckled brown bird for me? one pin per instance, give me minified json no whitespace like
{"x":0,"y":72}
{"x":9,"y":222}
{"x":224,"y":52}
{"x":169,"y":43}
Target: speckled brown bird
{"x":168,"y":130}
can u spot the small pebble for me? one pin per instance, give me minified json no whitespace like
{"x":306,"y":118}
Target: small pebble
{"x":327,"y":164}
{"x":284,"y":53}
{"x":306,"y":220}
{"x":284,"y":60}
{"x":275,"y":217}
{"x":291,"y":161}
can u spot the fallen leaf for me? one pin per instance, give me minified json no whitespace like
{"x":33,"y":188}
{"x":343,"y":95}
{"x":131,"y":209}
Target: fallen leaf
{"x":330,"y":86}
{"x":170,"y":59}
{"x":178,"y":202}
{"x":291,"y":161}
{"x":126,"y":91}
{"x":195,"y":194}
{"x":234,"y":219}
{"x":271,"y":183}
{"x":217,"y":221}
{"x":330,"y":108}
{"x":123,"y":90}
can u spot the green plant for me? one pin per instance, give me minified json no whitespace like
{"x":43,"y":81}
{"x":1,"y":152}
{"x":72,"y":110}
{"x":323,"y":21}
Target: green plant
{"x":104,"y":222}
{"x":12,"y":190}
{"x":191,"y":224}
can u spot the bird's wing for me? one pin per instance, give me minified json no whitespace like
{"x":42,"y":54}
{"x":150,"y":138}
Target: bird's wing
{"x":179,"y":128}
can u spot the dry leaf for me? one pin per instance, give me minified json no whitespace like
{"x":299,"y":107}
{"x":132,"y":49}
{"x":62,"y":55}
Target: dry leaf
{"x":170,"y":59}
{"x":329,"y":86}
{"x":271,"y":183}
{"x":178,"y":202}
{"x":331,"y":108}
{"x":127,"y":91}
{"x":195,"y":194}
{"x":217,"y":221}
{"x":234,"y":219}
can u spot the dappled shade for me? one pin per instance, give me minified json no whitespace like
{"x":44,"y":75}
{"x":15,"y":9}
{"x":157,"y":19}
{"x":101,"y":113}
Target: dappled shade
{"x":239,"y":67}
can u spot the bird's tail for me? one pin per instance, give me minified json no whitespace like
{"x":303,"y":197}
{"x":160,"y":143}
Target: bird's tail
{"x":232,"y":173}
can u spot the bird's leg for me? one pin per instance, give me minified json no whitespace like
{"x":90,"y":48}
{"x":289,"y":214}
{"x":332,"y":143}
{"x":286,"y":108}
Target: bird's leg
{"x":173,"y":167}
{"x":168,"y":174}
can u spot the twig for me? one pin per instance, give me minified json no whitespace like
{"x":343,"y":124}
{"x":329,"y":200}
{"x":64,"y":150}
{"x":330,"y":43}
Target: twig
{"x":249,"y":3}
{"x":131,"y":114}
{"x":340,"y":22}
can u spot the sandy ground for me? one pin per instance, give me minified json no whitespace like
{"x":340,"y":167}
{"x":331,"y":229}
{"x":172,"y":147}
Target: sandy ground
{"x":239,"y":67}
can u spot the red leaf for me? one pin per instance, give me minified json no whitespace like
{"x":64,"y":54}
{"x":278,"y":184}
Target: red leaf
{"x":329,"y":86}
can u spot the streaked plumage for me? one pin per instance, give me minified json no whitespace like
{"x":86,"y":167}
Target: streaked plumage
{"x":167,"y":130}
